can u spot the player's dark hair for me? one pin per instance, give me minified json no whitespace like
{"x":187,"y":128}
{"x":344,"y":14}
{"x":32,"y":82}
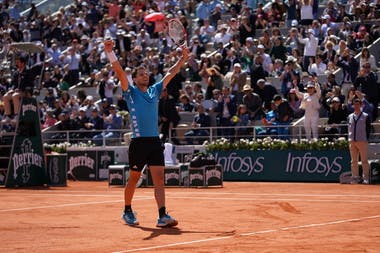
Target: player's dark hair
{"x":134,"y":72}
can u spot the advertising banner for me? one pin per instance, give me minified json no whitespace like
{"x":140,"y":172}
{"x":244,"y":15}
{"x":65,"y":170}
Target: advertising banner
{"x":57,"y":169}
{"x":27,"y":167}
{"x":82,"y":164}
{"x":283,"y":165}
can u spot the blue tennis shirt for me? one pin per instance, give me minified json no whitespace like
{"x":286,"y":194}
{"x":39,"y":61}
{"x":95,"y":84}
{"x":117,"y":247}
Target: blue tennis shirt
{"x":143,"y":109}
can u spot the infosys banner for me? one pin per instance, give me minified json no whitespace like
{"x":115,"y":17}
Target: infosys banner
{"x":281,"y":165}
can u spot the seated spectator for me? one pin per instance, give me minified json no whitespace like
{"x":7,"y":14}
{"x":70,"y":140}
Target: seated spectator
{"x":236,"y":79}
{"x":201,"y":119}
{"x":241,"y":119}
{"x":270,"y":121}
{"x":253,"y":102}
{"x":338,"y":115}
{"x":318,"y":66}
{"x":215,"y":80}
{"x":49,"y":120}
{"x":111,"y":122}
{"x":185,"y":104}
{"x":94,"y":123}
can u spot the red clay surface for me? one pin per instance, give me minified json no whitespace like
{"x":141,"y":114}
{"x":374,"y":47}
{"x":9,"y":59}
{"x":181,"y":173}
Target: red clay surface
{"x":240,"y":217}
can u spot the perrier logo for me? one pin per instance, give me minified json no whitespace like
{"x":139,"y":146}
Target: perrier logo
{"x":25,"y":159}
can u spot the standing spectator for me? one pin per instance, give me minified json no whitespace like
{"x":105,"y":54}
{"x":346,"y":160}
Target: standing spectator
{"x":306,"y":11}
{"x":94,"y":123}
{"x":284,"y":115}
{"x":245,"y":30}
{"x":295,"y":104}
{"x":288,"y":76}
{"x":266,"y":91}
{"x":203,"y":11}
{"x":73,"y":60}
{"x":226,"y":108}
{"x":366,"y":82}
{"x":358,"y":133}
{"x":168,"y":114}
{"x":291,"y":12}
{"x":278,"y":50}
{"x":350,"y":68}
{"x":215,"y":80}
{"x":311,"y":46}
{"x":310,"y":103}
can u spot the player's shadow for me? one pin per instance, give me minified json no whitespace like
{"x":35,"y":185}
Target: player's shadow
{"x":155,"y":232}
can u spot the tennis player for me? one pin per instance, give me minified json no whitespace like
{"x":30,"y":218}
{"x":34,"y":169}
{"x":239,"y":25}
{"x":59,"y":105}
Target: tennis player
{"x":146,"y":146}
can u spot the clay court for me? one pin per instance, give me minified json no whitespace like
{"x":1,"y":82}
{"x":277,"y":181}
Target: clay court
{"x":240,"y":217}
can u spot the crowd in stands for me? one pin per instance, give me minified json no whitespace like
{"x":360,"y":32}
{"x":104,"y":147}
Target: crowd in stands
{"x":236,"y":48}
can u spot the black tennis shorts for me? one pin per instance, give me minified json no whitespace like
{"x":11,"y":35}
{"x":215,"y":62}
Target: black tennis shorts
{"x":145,"y":150}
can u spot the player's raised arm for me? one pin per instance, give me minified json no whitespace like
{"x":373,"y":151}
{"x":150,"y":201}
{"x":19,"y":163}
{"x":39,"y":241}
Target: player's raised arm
{"x":108,"y":47}
{"x":176,"y":67}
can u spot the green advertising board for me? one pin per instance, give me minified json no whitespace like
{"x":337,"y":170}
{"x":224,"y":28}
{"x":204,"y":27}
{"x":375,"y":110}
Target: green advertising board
{"x":283,"y":165}
{"x":27,"y":165}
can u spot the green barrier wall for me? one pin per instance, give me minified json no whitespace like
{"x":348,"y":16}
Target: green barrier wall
{"x":283,"y":165}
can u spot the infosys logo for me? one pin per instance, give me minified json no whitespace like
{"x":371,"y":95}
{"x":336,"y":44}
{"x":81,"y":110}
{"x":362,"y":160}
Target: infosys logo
{"x":238,"y":164}
{"x":310,"y":164}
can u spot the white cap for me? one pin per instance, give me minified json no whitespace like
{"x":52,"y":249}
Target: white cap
{"x":261,"y":46}
{"x":237,"y":65}
{"x":327,"y":16}
{"x":294,"y":22}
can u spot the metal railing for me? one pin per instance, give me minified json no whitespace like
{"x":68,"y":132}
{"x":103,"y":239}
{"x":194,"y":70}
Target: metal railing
{"x":253,"y":132}
{"x":113,"y":137}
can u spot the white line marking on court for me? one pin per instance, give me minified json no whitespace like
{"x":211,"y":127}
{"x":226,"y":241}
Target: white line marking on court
{"x":66,"y":205}
{"x":170,"y":194}
{"x":277,"y":199}
{"x":250,"y":234}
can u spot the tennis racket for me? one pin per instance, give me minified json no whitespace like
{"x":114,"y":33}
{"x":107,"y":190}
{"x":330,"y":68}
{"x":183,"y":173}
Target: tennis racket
{"x":177,"y":32}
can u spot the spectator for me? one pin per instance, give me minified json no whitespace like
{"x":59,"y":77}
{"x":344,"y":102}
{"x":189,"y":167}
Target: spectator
{"x":278,"y":51}
{"x":310,"y":103}
{"x":112,"y":123}
{"x":306,"y":10}
{"x":253,"y":102}
{"x":284,"y":115}
{"x":201,"y":120}
{"x":95,"y":122}
{"x":242,"y":121}
{"x":288,"y":76}
{"x":168,"y":115}
{"x":266,"y":92}
{"x":318,"y":67}
{"x":245,"y":29}
{"x":311,"y":46}
{"x":225,"y":109}
{"x":73,"y":60}
{"x":295,"y":104}
{"x":49,"y":120}
{"x":338,"y":115}
{"x":358,"y":134}
{"x":367,"y":57}
{"x":185,"y":104}
{"x":350,"y":68}
{"x":215,"y":80}
{"x":236,"y":79}
{"x":366,"y":82}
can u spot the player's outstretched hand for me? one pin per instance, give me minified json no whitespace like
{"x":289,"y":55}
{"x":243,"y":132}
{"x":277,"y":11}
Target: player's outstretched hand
{"x":108,"y":45}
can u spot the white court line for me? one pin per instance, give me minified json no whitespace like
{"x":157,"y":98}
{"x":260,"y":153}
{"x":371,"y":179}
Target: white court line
{"x":196,"y":198}
{"x":192,"y":193}
{"x":278,"y":199}
{"x":66,"y":205}
{"x":250,"y":234}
